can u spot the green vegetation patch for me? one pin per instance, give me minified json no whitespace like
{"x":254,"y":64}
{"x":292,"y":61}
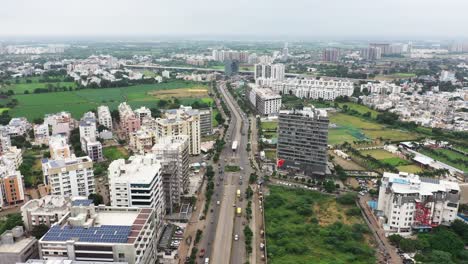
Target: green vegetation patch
{"x":114,"y":153}
{"x":269,"y":125}
{"x":231,"y":168}
{"x":450,"y":157}
{"x":305,"y":227}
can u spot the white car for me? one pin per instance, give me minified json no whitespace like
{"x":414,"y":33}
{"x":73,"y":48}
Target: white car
{"x":236,"y":237}
{"x":218,"y":202}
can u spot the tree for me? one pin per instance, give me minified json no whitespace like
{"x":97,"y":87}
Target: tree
{"x":219,"y":118}
{"x":329,"y":186}
{"x":97,"y":198}
{"x":39,"y":230}
{"x":12,"y":221}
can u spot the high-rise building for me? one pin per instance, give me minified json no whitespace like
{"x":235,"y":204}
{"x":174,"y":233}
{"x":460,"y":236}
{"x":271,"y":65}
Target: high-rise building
{"x":62,"y":123}
{"x":384,"y":47}
{"x":128,"y":119}
{"x":330,"y":54}
{"x":174,"y":150}
{"x":264,"y":100}
{"x":104,"y":116}
{"x":206,"y":121}
{"x":88,"y":137}
{"x":266,"y":73}
{"x":137,"y":183}
{"x":302,"y":140}
{"x":231,"y":67}
{"x":103,"y":234}
{"x":142,"y":112}
{"x":11,"y":185}
{"x":69,"y":176}
{"x":59,"y":148}
{"x":371,"y":53}
{"x":313,"y":88}
{"x":5,"y":141}
{"x":411,"y":203}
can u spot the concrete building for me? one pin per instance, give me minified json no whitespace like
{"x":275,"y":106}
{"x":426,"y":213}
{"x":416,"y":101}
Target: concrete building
{"x":371,"y":53}
{"x":384,"y":47}
{"x":264,"y":100}
{"x":16,"y":247}
{"x":41,"y":134}
{"x":66,"y":261}
{"x":11,"y":186}
{"x":182,"y":121}
{"x":231,"y":67}
{"x":330,"y":55}
{"x":412,"y":203}
{"x":266,"y":73}
{"x":142,"y":112}
{"x":5,"y":141}
{"x":93,"y":149}
{"x":88,"y":137}
{"x":129,"y":121}
{"x":206,"y":121}
{"x":59,"y":148}
{"x":47,"y":210}
{"x":62,"y":123}
{"x":174,"y":150}
{"x":302,"y":140}
{"x":137,"y":183}
{"x":18,"y":126}
{"x":142,"y":140}
{"x":314,"y":89}
{"x":104,"y":116}
{"x":381,"y":88}
{"x":14,"y":155}
{"x":73,"y":176}
{"x":103,"y":234}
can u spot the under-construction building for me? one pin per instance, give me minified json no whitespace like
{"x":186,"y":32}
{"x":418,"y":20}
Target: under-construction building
{"x":409,"y":203}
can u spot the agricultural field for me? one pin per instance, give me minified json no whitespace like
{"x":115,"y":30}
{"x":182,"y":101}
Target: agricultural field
{"x":449,"y":157}
{"x":77,"y":102}
{"x":114,"y":153}
{"x":192,"y":92}
{"x":350,"y":128}
{"x":33,"y":83}
{"x":310,"y":227}
{"x":410,"y":168}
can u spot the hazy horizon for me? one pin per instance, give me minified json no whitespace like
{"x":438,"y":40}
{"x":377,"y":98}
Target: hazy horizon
{"x":301,"y":19}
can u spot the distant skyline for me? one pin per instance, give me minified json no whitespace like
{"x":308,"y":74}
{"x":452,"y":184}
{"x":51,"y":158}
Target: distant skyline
{"x":255,"y":19}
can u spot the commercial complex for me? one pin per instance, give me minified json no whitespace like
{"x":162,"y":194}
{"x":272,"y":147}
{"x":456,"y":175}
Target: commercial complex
{"x":71,"y":176}
{"x":231,"y":67}
{"x":409,"y":203}
{"x":174,"y":150}
{"x":100,"y":233}
{"x":264,"y":100}
{"x":314,"y":89}
{"x":302,"y":140}
{"x":137,"y":183}
{"x":15,"y":246}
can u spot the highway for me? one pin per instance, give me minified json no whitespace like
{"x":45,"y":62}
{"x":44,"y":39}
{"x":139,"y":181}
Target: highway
{"x":222,"y":223}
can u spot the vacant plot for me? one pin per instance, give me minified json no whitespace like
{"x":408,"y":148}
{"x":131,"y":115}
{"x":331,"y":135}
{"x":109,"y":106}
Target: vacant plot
{"x":310,"y":227}
{"x":77,"y":102}
{"x":410,"y":168}
{"x":362,"y":109}
{"x":379,"y":154}
{"x":114,"y":153}
{"x":269,"y":125}
{"x":346,"y":164}
{"x":194,"y":92}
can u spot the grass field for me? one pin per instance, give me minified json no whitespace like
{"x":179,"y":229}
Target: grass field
{"x":410,"y":168}
{"x":270,"y":125}
{"x":362,"y":109}
{"x":114,"y":153}
{"x":452,"y":155}
{"x":379,"y":154}
{"x":305,"y":227}
{"x":77,"y":102}
{"x":350,"y":128}
{"x":23,"y":85}
{"x":270,"y":154}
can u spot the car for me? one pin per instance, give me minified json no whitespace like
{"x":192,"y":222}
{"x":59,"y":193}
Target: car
{"x":218,"y":202}
{"x":202,"y":253}
{"x":207,"y":260}
{"x":236,"y":237}
{"x":234,"y":204}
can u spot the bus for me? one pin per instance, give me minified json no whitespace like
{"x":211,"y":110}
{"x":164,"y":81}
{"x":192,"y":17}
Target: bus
{"x":239,"y":211}
{"x":238,"y":193}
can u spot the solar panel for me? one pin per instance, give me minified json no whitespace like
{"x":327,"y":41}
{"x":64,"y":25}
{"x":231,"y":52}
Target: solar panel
{"x":111,"y":234}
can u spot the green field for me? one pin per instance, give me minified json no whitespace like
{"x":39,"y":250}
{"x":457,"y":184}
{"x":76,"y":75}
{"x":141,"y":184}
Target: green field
{"x":351,"y":128}
{"x":269,"y":125}
{"x":362,"y":109}
{"x":410,"y":168}
{"x":23,"y":85}
{"x":213,"y":115}
{"x":77,"y":102}
{"x":379,"y":154}
{"x":304,"y":227}
{"x":452,"y":156}
{"x":270,"y":154}
{"x":114,"y":153}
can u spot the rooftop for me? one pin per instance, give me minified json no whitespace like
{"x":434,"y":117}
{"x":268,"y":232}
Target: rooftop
{"x":140,"y":169}
{"x":101,"y":234}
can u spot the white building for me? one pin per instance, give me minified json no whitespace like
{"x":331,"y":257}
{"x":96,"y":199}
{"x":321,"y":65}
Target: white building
{"x":266,"y":73}
{"x":166,"y":74}
{"x":381,"y":88}
{"x":101,"y":233}
{"x":142,"y":112}
{"x":62,"y":123}
{"x":59,"y":148}
{"x":314,"y":89}
{"x":93,"y":149}
{"x":104,"y":116}
{"x":409,"y":202}
{"x":41,"y":134}
{"x":5,"y":141}
{"x":47,"y":210}
{"x":18,"y":126}
{"x":70,"y":176}
{"x":137,"y":183}
{"x":265,"y":101}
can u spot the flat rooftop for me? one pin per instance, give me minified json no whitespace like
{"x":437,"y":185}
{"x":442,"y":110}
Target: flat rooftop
{"x":16,"y":247}
{"x":101,"y":234}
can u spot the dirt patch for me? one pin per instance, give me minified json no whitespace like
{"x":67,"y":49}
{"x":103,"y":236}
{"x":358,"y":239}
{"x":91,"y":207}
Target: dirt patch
{"x":346,"y":164}
{"x":329,"y":213}
{"x":180,"y":93}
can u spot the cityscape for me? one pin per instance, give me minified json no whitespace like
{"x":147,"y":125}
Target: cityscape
{"x":178,"y":133}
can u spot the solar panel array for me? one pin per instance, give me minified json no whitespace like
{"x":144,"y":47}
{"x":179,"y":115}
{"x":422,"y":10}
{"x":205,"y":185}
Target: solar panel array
{"x":102,"y":234}
{"x":84,"y":202}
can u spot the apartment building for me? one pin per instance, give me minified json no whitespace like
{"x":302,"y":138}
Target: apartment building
{"x":59,"y":148}
{"x":314,"y":89}
{"x":62,"y":123}
{"x":142,"y":112}
{"x":16,"y":247}
{"x":330,"y":55}
{"x":93,"y":149}
{"x":88,"y":137}
{"x":129,"y":121}
{"x":175,"y":151}
{"x":182,"y":121}
{"x":5,"y":141}
{"x":206,"y":121}
{"x":381,"y":88}
{"x":137,"y":183}
{"x":302,"y":140}
{"x":47,"y":210}
{"x":410,"y":203}
{"x":264,"y":100}
{"x":371,"y":53}
{"x":41,"y":134}
{"x":103,"y":234}
{"x":73,"y":176}
{"x":18,"y":126}
{"x":11,"y":185}
{"x":142,"y":140}
{"x":264,"y":73}
{"x":14,"y":155}
{"x":104,"y":116}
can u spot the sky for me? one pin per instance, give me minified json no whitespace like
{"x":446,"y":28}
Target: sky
{"x":255,"y":18}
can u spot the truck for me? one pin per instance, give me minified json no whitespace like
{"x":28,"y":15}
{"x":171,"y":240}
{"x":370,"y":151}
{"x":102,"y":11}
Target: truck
{"x":238,"y":193}
{"x":239,"y":211}
{"x":234,"y":145}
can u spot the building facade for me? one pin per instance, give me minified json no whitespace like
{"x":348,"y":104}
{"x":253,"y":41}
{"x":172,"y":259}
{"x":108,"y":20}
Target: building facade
{"x":16,"y":247}
{"x":314,"y":89}
{"x":104,"y":116}
{"x":47,"y":210}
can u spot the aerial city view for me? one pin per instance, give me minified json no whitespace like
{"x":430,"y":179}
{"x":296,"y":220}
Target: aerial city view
{"x":233,"y":132}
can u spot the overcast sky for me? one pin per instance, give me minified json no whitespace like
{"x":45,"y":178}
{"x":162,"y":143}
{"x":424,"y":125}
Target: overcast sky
{"x":306,"y":18}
